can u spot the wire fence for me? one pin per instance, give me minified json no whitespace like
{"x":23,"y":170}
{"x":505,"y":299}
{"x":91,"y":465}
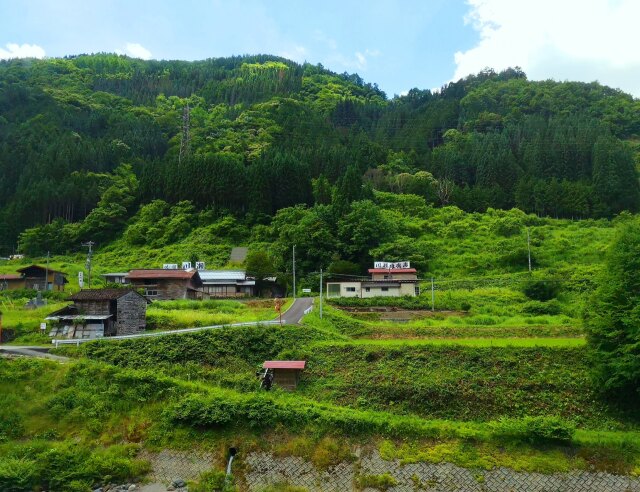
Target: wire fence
{"x":371,"y":473}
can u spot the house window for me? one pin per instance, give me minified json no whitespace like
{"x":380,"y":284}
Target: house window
{"x":384,"y":289}
{"x":350,"y":289}
{"x":367,"y":289}
{"x":416,"y":289}
{"x":150,"y":292}
{"x":333,"y":290}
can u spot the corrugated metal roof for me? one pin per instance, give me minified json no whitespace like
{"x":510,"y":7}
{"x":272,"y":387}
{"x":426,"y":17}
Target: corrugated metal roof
{"x":284,"y":364}
{"x":81,"y":316}
{"x":100,"y":294}
{"x":217,"y":275}
{"x":117,"y":274}
{"x":161,"y":273}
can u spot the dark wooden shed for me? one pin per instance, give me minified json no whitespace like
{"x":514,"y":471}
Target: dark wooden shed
{"x":286,"y":373}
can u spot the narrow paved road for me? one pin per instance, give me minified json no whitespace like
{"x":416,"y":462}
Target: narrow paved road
{"x":295,"y":313}
{"x":292,"y":316}
{"x":40,"y":352}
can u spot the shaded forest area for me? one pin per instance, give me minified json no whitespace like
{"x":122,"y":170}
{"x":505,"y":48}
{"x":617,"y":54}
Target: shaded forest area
{"x":86,"y":140}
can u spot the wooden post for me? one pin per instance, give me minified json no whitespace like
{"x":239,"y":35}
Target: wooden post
{"x":433,"y":296}
{"x":321,"y":293}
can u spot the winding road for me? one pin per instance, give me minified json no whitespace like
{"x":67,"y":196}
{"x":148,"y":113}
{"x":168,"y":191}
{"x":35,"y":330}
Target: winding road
{"x":291,"y":316}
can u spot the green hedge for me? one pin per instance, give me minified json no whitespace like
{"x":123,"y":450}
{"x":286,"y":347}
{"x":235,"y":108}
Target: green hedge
{"x":68,"y":466}
{"x":250,"y":344}
{"x":261,"y":411}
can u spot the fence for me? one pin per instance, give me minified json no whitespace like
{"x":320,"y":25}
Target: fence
{"x":159,"y":333}
{"x":372,"y":473}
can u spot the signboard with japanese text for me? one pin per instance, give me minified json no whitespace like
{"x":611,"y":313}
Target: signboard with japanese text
{"x":392,"y":265}
{"x":170,"y":266}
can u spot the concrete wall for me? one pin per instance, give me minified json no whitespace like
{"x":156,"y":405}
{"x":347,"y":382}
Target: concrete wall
{"x":393,"y":276}
{"x":376,"y":291}
{"x":408,"y":289}
{"x":345,"y":289}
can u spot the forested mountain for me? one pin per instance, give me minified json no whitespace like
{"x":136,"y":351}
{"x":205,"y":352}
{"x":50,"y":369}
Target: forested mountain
{"x":86,"y":141}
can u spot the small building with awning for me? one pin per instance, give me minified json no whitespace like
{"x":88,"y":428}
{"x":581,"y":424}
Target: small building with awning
{"x":286,"y":373}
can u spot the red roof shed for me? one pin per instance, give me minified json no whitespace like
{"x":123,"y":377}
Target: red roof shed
{"x":284,"y":364}
{"x":286,"y":373}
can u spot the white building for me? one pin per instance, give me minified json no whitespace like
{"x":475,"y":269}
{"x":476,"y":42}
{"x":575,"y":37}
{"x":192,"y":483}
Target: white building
{"x":384,"y":282}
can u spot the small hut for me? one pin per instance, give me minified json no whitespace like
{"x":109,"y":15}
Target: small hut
{"x":286,"y":373}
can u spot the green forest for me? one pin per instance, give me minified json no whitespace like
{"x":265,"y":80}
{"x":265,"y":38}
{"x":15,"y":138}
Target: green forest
{"x":95,"y":147}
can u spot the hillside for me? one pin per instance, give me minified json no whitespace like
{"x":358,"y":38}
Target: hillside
{"x":511,"y":198}
{"x":98,"y":136}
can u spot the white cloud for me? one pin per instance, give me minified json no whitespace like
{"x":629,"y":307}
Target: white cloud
{"x":135,"y":50}
{"x":321,"y":37}
{"x":559,"y":39}
{"x":298,"y":53}
{"x":14,"y":50}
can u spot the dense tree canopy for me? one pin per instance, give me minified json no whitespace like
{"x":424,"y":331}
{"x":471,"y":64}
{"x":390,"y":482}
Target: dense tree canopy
{"x":249,"y":136}
{"x":613,"y":318}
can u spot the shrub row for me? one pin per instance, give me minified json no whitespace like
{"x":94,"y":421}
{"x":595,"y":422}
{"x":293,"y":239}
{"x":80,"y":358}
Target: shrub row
{"x":252,"y":344}
{"x":68,"y":466}
{"x":261,"y":411}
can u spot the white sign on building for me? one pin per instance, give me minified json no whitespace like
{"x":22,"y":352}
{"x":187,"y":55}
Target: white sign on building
{"x":81,"y":279}
{"x":392,"y":265}
{"x":186,"y":265}
{"x":199,"y":265}
{"x":170,"y":266}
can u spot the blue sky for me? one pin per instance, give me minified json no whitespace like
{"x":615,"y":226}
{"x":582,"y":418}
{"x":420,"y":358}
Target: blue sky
{"x":397,"y":44}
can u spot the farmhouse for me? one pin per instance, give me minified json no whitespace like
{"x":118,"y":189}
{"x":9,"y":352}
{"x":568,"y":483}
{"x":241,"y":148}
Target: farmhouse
{"x":227,"y":283}
{"x":100,"y":313}
{"x":11,"y":281}
{"x":34,"y":277}
{"x":162,"y":285}
{"x":387,"y":281}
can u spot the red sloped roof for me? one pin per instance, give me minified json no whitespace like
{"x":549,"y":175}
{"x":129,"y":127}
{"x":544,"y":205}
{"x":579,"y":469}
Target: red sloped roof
{"x":284,"y":364}
{"x":10,"y":276}
{"x":161,"y":273}
{"x":393,"y":270}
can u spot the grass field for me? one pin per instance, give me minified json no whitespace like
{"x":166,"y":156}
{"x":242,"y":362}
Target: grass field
{"x":551,"y":342}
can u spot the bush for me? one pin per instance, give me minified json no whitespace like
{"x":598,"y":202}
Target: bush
{"x":541,"y":290}
{"x":213,"y":481}
{"x":551,"y":307}
{"x":66,"y":466}
{"x":535,"y":430}
{"x":380,"y":482}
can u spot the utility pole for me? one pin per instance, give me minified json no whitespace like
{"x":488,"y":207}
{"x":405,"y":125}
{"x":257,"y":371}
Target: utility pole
{"x":90,"y":245}
{"x":294,"y":272}
{"x":0,"y":327}
{"x":433,"y":296}
{"x":46,"y":275}
{"x":529,"y":248}
{"x":321,"y":293}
